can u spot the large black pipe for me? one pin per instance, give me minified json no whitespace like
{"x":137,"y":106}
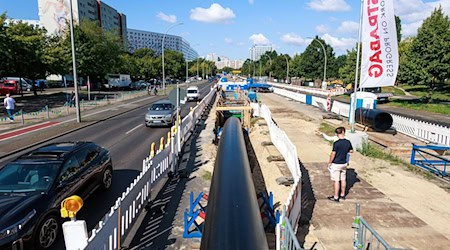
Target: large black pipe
{"x":233,"y":219}
{"x":379,"y":120}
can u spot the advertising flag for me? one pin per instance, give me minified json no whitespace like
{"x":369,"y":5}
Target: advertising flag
{"x":379,"y":60}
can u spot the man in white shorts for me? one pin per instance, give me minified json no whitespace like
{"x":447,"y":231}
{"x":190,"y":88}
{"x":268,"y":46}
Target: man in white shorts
{"x":337,"y":165}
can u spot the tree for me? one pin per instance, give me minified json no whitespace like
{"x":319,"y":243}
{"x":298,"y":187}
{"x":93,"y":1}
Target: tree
{"x":294,"y":66}
{"x":347,"y":71}
{"x":98,"y":52}
{"x":312,"y":60}
{"x":398,"y":25}
{"x":5,"y":43}
{"x":174,"y":63}
{"x":27,"y":45}
{"x":430,"y":50}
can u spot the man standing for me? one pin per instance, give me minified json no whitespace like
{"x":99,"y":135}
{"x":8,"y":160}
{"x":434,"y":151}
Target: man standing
{"x":9,"y":105}
{"x":337,"y":165}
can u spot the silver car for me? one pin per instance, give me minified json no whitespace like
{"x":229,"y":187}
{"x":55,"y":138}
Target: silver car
{"x":161,"y":113}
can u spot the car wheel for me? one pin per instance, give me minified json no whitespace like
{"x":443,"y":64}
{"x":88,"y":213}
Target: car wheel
{"x":107,"y":179}
{"x":48,"y":232}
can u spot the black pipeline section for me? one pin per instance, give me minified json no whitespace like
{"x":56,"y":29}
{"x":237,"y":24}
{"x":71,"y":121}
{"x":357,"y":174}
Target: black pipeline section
{"x":379,"y":120}
{"x":233,"y":219}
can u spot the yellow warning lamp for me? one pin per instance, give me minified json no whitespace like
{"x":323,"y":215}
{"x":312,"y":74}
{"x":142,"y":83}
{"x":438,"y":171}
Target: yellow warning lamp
{"x":70,"y":206}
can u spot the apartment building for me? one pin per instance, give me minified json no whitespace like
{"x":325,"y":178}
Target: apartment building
{"x":256,"y":51}
{"x":54,"y":15}
{"x":138,"y":39}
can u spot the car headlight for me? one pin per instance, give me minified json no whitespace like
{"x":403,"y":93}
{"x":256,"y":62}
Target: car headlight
{"x":15,"y":228}
{"x":168,"y":116}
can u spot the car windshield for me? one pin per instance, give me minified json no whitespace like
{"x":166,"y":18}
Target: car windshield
{"x":161,"y":106}
{"x":190,"y":91}
{"x":27,"y":177}
{"x":8,"y":84}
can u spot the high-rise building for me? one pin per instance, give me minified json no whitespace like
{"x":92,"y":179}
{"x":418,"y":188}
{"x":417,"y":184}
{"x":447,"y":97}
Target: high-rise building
{"x":138,"y":39}
{"x":54,"y":15}
{"x":212,"y":57}
{"x":256,"y":51}
{"x":226,"y":62}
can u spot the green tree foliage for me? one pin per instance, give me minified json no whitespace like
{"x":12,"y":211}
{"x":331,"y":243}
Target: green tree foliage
{"x":174,"y":64}
{"x":98,"y":52}
{"x":398,"y":25}
{"x":430,"y":51}
{"x":312,"y":60}
{"x":347,"y":71}
{"x":294,"y":66}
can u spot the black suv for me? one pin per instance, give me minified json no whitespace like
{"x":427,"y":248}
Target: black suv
{"x":33,"y":186}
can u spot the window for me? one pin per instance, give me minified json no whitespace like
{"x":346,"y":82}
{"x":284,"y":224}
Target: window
{"x":70,"y":168}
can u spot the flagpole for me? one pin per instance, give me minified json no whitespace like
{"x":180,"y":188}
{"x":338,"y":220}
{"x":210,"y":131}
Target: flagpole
{"x":355,"y":86}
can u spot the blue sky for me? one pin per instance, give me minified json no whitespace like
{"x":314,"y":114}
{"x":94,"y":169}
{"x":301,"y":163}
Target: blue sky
{"x":229,"y":28}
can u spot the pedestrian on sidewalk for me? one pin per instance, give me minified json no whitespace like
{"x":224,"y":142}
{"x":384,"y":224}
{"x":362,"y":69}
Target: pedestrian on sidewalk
{"x":9,"y":103}
{"x":337,"y":164}
{"x":72,"y":99}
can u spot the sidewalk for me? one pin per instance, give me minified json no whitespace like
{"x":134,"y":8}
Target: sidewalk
{"x":407,"y":210}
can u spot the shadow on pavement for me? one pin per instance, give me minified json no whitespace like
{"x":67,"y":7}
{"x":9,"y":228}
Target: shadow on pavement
{"x":308,"y":202}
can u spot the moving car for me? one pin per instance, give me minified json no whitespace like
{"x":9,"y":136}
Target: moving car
{"x":193,"y":93}
{"x":33,"y":186}
{"x":161,"y":113}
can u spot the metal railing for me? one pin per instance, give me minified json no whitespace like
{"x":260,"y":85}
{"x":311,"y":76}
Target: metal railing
{"x":233,"y":217}
{"x":365,"y":237}
{"x":288,"y":239}
{"x":430,"y":161}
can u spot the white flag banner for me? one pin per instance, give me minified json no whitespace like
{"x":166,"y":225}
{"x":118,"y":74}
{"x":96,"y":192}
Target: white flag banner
{"x":379,"y":60}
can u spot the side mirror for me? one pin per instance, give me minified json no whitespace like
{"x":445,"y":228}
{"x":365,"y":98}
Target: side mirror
{"x":148,"y":108}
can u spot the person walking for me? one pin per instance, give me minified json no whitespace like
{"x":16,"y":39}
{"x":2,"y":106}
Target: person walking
{"x":337,"y":164}
{"x":9,"y":103}
{"x":72,"y":99}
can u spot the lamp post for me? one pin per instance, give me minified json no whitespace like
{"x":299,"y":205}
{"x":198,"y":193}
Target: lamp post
{"x":187,"y":74}
{"x":325,"y":55}
{"x":287,"y":70}
{"x":74,"y":63}
{"x":162,"y":50}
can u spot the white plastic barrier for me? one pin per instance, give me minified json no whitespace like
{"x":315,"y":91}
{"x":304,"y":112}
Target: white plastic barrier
{"x":291,"y":210}
{"x":116,"y":224}
{"x":422,"y":130}
{"x":317,"y":91}
{"x":426,"y":131}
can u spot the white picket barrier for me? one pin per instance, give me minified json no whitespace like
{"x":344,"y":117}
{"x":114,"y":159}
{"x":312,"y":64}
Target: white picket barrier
{"x":291,"y":210}
{"x":311,"y":90}
{"x":422,"y":130}
{"x":116,"y":224}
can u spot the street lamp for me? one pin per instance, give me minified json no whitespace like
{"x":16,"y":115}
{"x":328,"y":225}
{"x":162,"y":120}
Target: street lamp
{"x":325,"y":55}
{"x":187,"y":74}
{"x":287,"y":70}
{"x":162,"y":49}
{"x":74,"y":63}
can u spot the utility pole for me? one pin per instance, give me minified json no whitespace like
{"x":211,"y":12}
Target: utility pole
{"x":74,"y":65}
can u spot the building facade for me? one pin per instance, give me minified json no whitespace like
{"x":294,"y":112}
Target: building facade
{"x":55,"y":14}
{"x":256,"y":51}
{"x":226,"y":62}
{"x":138,"y":39}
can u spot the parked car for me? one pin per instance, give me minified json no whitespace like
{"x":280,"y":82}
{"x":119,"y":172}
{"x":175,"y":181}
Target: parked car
{"x":193,"y":93}
{"x":25,"y":83}
{"x":161,"y":113}
{"x":10,"y":87}
{"x":33,"y":186}
{"x":139,"y":85}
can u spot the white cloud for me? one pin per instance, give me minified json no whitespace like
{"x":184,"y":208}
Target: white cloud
{"x":413,"y":12}
{"x":214,"y":14}
{"x":322,"y":29}
{"x":251,"y":1}
{"x":167,"y":18}
{"x":339,"y":43}
{"x":293,"y":39}
{"x":329,"y":5}
{"x":228,"y":40}
{"x":259,"y":39}
{"x":348,"y":27}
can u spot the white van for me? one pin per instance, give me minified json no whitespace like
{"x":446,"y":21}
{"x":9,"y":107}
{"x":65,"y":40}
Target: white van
{"x":192,"y":93}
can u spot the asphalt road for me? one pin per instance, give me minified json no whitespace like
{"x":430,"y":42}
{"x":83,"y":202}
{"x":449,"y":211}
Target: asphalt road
{"x":128,"y":140}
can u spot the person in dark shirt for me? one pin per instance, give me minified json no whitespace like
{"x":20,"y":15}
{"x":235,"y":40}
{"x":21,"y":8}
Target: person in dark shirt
{"x":337,"y":165}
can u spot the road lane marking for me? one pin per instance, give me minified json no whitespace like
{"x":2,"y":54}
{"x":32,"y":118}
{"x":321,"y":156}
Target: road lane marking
{"x":27,"y":130}
{"x":131,"y":130}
